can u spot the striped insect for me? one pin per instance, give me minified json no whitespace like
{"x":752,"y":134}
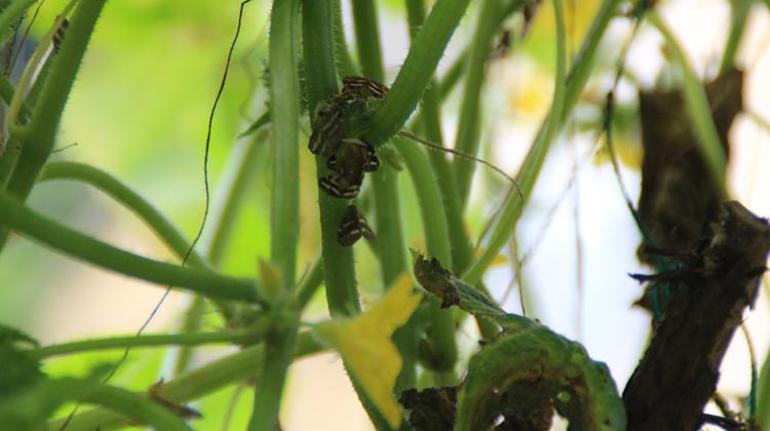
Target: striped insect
{"x":353,"y":226}
{"x":363,"y":153}
{"x":328,"y":128}
{"x":359,"y":87}
{"x":58,"y":36}
{"x":341,"y":186}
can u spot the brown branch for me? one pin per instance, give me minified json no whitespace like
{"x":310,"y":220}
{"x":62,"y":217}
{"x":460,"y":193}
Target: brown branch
{"x":680,"y":369}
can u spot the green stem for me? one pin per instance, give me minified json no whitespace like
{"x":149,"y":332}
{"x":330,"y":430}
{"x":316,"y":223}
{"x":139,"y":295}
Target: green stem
{"x":442,"y":351}
{"x":191,"y":324}
{"x":390,"y":244}
{"x":697,"y":105}
{"x":279,"y":352}
{"x":469,"y":126}
{"x":33,"y":64}
{"x":310,"y":284}
{"x":186,"y":339}
{"x":37,"y":138}
{"x":345,"y":64}
{"x":418,"y":69}
{"x":368,"y":38}
{"x":134,"y":406}
{"x":193,"y":385}
{"x":431,"y":120}
{"x":566,"y":93}
{"x":129,"y":405}
{"x":127,"y":197}
{"x":235,"y":182}
{"x":739,"y":13}
{"x":14,"y":215}
{"x":285,"y":110}
{"x":391,"y":248}
{"x":321,"y":83}
{"x":284,"y":221}
{"x":10,"y":15}
{"x":7,"y":91}
{"x":763,"y":396}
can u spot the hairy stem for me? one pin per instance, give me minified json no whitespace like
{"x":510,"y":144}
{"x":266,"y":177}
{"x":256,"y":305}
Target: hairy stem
{"x":123,"y":194}
{"x":469,"y":127}
{"x":338,"y":269}
{"x":285,"y":111}
{"x":418,"y":69}
{"x":14,"y":215}
{"x":209,"y":378}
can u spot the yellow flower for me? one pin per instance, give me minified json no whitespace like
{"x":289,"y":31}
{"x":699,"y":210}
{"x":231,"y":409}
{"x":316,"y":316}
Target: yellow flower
{"x":365,"y":345}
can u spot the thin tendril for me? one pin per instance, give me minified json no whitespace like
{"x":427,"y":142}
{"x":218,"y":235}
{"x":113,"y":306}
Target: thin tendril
{"x":438,"y":147}
{"x":24,"y":37}
{"x":205,"y":211}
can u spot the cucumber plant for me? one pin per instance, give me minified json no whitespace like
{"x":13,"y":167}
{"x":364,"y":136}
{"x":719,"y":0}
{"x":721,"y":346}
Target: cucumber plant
{"x":364,"y":131}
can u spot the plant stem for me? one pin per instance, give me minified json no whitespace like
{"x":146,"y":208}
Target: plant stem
{"x":186,"y":339}
{"x":469,"y":127}
{"x":234,"y":184}
{"x":284,"y":207}
{"x":37,"y":138}
{"x":127,"y":197}
{"x":310,"y":284}
{"x":232,"y":191}
{"x":321,"y":83}
{"x":368,"y":38}
{"x":129,"y":405}
{"x":285,"y":111}
{"x":739,"y":13}
{"x":279,"y":352}
{"x":193,"y":385}
{"x":442,"y":351}
{"x":564,"y":100}
{"x":390,"y":244}
{"x":431,"y":120}
{"x":417,"y":71}
{"x":345,"y":64}
{"x":14,"y":215}
{"x":10,"y":15}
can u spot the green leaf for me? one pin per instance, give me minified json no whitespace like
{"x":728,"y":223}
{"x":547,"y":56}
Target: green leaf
{"x":531,"y":371}
{"x":527,"y":366}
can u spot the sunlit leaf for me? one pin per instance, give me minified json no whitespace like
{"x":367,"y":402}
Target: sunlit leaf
{"x":365,"y":345}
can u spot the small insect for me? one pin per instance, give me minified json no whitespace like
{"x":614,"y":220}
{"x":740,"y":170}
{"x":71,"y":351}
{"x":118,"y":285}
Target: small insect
{"x":353,"y":159}
{"x":359,"y":87}
{"x":58,"y":36}
{"x":340,"y":186}
{"x":327,"y":128}
{"x":353,"y":226}
{"x":363,"y":152}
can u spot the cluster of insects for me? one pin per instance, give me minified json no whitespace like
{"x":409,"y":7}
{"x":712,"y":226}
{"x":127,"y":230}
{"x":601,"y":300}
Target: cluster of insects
{"x":337,"y":126}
